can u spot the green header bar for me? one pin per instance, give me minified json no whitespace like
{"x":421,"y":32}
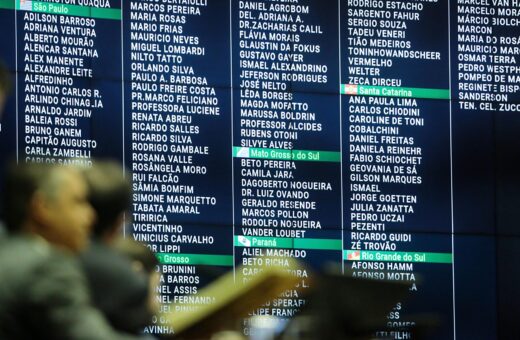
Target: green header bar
{"x":390,"y":91}
{"x":193,"y":259}
{"x":322,"y":244}
{"x":7,"y":4}
{"x":289,"y":243}
{"x":288,"y":155}
{"x":62,"y":9}
{"x":395,"y":256}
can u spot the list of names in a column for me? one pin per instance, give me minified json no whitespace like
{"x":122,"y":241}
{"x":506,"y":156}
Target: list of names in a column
{"x":279,"y":205}
{"x":178,"y":128}
{"x":56,"y":100}
{"x":487,"y":56}
{"x":387,"y":153}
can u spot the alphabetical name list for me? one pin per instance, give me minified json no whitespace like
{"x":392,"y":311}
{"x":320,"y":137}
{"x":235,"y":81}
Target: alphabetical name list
{"x":487,"y":68}
{"x":169,"y":101}
{"x":55,"y":58}
{"x":274,"y":202}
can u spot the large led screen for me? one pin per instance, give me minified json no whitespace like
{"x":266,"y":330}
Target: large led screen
{"x":373,"y":135}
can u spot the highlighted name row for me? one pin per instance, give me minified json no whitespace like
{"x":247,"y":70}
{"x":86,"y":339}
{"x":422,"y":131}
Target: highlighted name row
{"x":288,"y":155}
{"x":63,"y":9}
{"x":391,"y":91}
{"x":288,"y":243}
{"x":294,"y":243}
{"x":195,"y":259}
{"x":393,"y":256}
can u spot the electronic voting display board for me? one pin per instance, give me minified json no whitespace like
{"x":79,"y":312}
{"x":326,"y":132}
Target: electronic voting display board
{"x":358,"y":133}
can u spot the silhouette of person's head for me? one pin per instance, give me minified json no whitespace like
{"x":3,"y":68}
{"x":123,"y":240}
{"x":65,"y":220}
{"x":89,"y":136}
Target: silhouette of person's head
{"x":145,"y":263}
{"x":49,"y":201}
{"x":110,"y":194}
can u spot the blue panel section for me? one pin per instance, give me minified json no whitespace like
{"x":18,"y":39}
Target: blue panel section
{"x":475,"y":287}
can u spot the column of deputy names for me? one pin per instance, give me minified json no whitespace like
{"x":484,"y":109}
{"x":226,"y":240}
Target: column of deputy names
{"x":177,"y":127}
